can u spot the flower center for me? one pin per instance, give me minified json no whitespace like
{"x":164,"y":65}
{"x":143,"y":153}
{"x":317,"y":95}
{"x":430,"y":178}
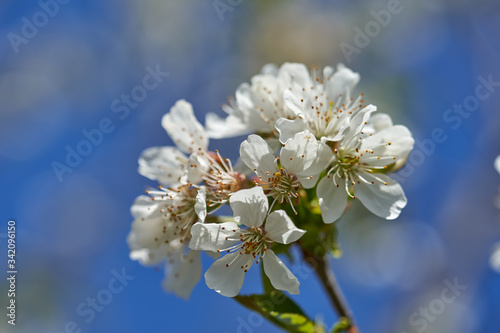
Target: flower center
{"x":348,"y":162}
{"x":254,"y":242}
{"x":284,"y":184}
{"x":327,"y":115}
{"x":353,"y":167}
{"x":179,"y":214}
{"x":283,"y":187}
{"x":221,"y":179}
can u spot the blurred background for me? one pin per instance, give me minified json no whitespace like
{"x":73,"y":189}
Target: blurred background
{"x":65,"y":67}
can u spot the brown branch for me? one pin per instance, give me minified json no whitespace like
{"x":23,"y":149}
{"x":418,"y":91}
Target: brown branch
{"x":322,"y":268}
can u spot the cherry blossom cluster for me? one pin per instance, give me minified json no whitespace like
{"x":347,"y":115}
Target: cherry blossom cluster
{"x":310,"y":138}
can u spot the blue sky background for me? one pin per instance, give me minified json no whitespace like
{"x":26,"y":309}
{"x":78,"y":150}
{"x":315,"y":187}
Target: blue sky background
{"x":63,"y":78}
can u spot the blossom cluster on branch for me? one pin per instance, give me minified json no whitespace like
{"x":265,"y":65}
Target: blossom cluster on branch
{"x":312,"y":147}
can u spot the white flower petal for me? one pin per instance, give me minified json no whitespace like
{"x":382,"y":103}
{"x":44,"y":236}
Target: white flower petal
{"x":249,"y":206}
{"x":332,"y":199}
{"x":281,"y":229}
{"x":299,"y":153}
{"x":200,"y":207}
{"x":212,"y":236}
{"x":143,"y":241}
{"x":150,"y":257}
{"x":358,"y":122}
{"x":269,"y":69}
{"x":197,"y":166}
{"x":274,"y":143}
{"x":328,"y":71}
{"x":194,"y":169}
{"x":164,"y":164}
{"x":307,"y":182}
{"x":280,"y":276}
{"x":184,"y":129}
{"x":399,"y":137}
{"x":231,"y":126}
{"x":143,"y":207}
{"x":343,"y":128}
{"x":380,"y":121}
{"x":182,"y":274}
{"x":245,"y":108}
{"x":323,"y":159}
{"x":241,"y":168}
{"x":342,"y":82}
{"x":228,"y":281}
{"x":258,"y":156}
{"x":295,"y":73}
{"x":292,"y":101}
{"x":145,"y":230}
{"x":288,"y":128}
{"x":497,"y":164}
{"x":263,"y":81}
{"x":383,"y":200}
{"x":243,"y":97}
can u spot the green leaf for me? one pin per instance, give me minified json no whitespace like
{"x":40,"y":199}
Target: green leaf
{"x":341,"y":326}
{"x":280,"y":310}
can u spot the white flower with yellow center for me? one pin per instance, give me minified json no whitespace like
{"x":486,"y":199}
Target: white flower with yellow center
{"x":180,"y":208}
{"x":256,"y":107}
{"x":321,"y":101}
{"x":217,"y":174}
{"x":244,"y":246}
{"x":302,"y":159}
{"x":362,"y":158}
{"x":161,"y":232}
{"x":285,"y":101}
{"x":167,"y":164}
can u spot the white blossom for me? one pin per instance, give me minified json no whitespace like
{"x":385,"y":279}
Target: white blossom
{"x":245,"y":245}
{"x":285,"y":101}
{"x":302,"y":159}
{"x":163,"y":164}
{"x":161,"y":232}
{"x":310,"y":127}
{"x":167,"y":164}
{"x":362,"y":158}
{"x":182,"y":272}
{"x":322,"y":102}
{"x":257,"y":105}
{"x":216,"y":173}
{"x":162,"y":225}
